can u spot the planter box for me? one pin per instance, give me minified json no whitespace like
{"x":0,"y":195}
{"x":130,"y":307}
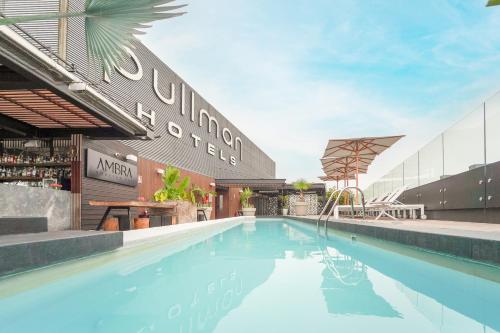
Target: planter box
{"x":186,"y":212}
{"x":301,"y":208}
{"x":248,"y":211}
{"x":141,"y":223}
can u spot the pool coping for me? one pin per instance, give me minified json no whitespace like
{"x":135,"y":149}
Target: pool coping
{"x":477,"y":249}
{"x":27,"y":252}
{"x":174,"y":232}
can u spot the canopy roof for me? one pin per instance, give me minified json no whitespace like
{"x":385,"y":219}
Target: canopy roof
{"x":252,"y":183}
{"x":44,"y":109}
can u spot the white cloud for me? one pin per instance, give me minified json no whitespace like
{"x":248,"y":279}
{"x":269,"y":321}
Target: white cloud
{"x":257,"y":74}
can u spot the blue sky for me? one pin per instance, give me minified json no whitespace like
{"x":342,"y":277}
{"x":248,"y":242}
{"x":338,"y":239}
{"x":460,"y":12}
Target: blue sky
{"x":293,"y":74}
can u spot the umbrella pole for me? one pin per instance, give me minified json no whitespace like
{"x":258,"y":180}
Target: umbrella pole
{"x":357,"y":173}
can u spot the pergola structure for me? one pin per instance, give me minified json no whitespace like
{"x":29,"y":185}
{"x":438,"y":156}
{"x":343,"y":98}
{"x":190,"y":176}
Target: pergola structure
{"x":351,"y":157}
{"x":42,"y":95}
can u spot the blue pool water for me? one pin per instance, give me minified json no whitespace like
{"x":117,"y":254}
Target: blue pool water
{"x":275,"y":276}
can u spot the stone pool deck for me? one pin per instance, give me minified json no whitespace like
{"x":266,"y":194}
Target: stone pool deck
{"x":24,"y":252}
{"x":476,"y":241}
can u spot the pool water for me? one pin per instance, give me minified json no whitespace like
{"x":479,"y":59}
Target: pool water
{"x":274,"y":276}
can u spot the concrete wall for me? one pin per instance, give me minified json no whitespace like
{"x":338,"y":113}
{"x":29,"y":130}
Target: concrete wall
{"x":20,"y":201}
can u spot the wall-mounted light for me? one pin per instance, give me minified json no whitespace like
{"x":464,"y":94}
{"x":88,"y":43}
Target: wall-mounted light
{"x":131,"y":158}
{"x":77,"y":86}
{"x":212,"y":184}
{"x":160,"y":171}
{"x":32,"y":144}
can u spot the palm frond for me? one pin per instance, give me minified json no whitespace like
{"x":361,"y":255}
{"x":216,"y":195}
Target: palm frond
{"x":493,"y":3}
{"x":111,"y":25}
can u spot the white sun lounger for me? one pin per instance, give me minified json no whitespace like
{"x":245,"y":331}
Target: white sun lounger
{"x":387,"y":206}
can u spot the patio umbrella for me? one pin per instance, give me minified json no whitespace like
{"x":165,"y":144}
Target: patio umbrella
{"x":345,"y":168}
{"x":346,"y":165}
{"x":338,"y":176}
{"x":354,"y":154}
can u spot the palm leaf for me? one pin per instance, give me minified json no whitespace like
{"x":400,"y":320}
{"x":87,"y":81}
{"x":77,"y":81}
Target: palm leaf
{"x":110,"y":25}
{"x":184,"y":184}
{"x":493,"y":3}
{"x":171,"y":176}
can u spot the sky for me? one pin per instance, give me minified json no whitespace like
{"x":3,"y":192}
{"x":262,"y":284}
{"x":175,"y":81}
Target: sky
{"x":292,"y":74}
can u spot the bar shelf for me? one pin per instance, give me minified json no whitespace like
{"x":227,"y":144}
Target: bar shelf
{"x":24,"y":178}
{"x":38,"y":165}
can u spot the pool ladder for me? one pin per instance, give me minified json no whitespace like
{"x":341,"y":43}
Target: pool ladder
{"x":336,"y":203}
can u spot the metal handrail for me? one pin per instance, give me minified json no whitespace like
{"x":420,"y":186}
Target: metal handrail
{"x":337,"y":202}
{"x":325,"y":207}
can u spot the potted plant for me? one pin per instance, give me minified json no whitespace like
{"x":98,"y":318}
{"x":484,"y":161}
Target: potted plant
{"x":202,"y":199}
{"x":247,"y":208}
{"x":284,"y":204}
{"x":301,"y":185}
{"x":175,"y":189}
{"x":142,"y":222}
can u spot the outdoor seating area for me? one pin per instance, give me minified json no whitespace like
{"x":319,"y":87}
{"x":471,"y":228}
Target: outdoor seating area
{"x":386,"y":205}
{"x":156,"y":209}
{"x":299,"y":181}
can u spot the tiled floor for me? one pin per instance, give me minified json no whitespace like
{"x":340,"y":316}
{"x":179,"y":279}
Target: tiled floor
{"x":464,"y":229}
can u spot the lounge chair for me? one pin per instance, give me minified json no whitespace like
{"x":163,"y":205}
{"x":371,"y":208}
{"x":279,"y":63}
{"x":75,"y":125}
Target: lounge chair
{"x":349,"y":208}
{"x":388,"y":206}
{"x":392,"y":207}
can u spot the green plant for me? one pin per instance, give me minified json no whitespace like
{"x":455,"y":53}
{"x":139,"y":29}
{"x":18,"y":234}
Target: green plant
{"x":284,"y":201}
{"x":173,"y":187}
{"x":493,"y":3}
{"x":343,"y":200}
{"x":201,"y":197}
{"x":301,"y":185}
{"x":245,"y":197}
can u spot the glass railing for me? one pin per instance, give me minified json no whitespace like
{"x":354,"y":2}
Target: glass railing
{"x":471,"y":143}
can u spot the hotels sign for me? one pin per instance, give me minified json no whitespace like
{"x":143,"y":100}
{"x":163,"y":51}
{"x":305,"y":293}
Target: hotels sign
{"x":107,"y":168}
{"x":198,"y":116}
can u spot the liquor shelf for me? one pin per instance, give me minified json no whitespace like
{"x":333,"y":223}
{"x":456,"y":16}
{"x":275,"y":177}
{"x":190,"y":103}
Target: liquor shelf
{"x":23,"y":178}
{"x":38,"y":165}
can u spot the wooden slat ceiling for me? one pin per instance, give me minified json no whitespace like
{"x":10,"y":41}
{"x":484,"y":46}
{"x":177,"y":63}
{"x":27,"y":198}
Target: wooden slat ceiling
{"x":44,"y":109}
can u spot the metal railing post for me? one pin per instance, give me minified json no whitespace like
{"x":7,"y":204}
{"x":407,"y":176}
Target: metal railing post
{"x":336,"y":204}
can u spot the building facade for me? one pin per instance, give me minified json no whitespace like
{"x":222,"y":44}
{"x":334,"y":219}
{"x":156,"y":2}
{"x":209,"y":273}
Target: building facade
{"x":135,"y":120}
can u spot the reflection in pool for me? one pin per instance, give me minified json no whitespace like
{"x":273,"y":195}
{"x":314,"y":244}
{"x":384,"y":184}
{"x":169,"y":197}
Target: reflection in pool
{"x":276,"y":276}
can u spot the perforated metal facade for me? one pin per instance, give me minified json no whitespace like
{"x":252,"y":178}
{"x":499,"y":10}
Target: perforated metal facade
{"x":44,"y":31}
{"x":238,"y":160}
{"x":166,"y":148}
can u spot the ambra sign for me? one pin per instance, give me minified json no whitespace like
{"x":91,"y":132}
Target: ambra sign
{"x":107,"y":168}
{"x":200,"y":116}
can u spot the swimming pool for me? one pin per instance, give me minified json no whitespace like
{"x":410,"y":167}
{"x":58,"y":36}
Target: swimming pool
{"x":272,"y":276}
